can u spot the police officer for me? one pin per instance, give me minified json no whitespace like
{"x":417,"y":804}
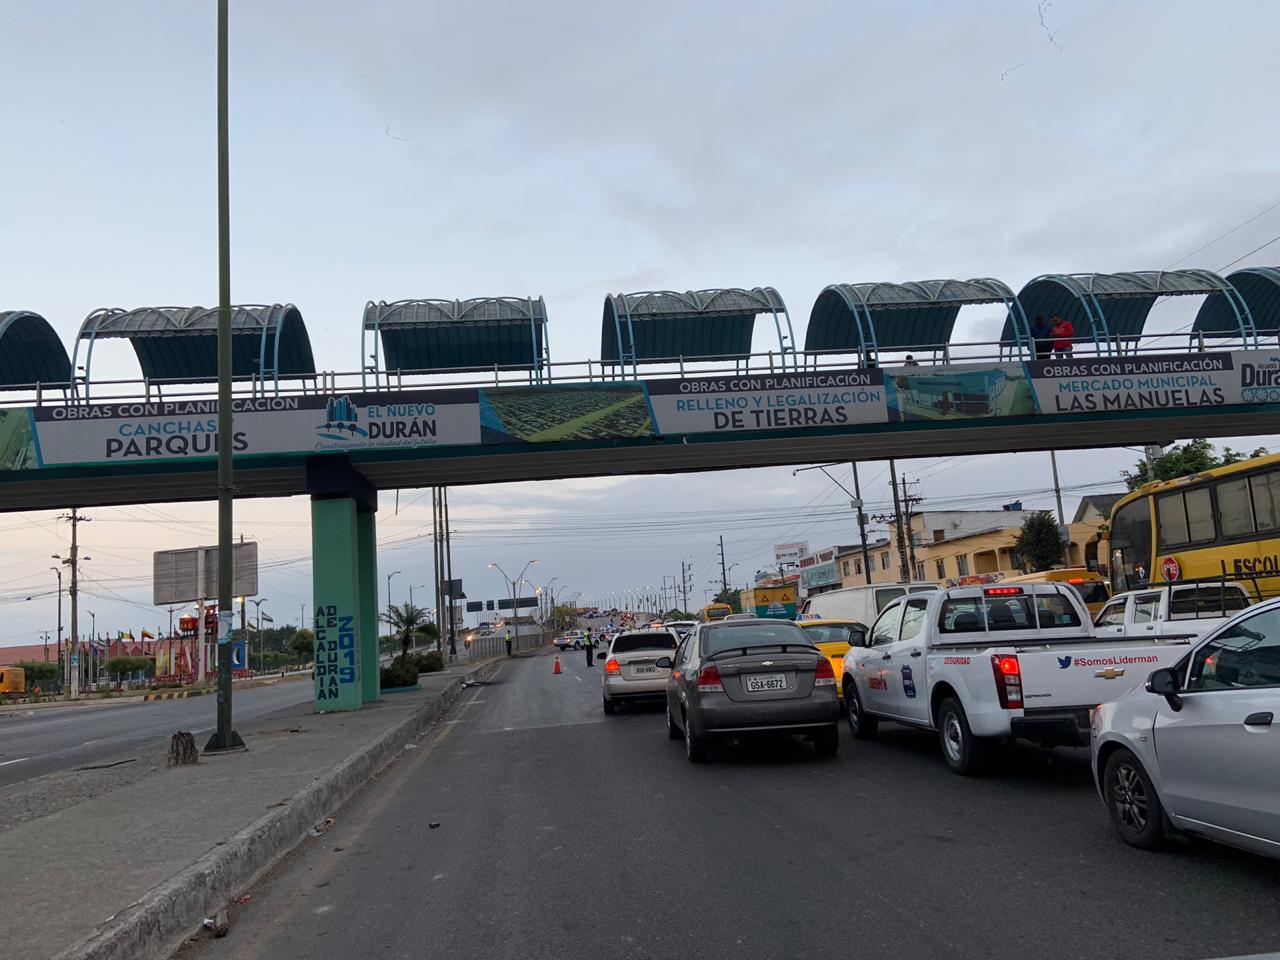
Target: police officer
{"x":508,"y":639}
{"x":588,"y":644}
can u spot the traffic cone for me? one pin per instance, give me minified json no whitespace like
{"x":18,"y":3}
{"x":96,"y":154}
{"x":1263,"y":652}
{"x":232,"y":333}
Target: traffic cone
{"x":557,"y":669}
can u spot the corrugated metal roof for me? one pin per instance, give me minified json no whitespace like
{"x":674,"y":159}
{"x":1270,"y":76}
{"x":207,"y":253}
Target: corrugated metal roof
{"x":476,"y":334}
{"x":1260,"y":288}
{"x":181,"y":343}
{"x":30,"y":351}
{"x":714,"y":324}
{"x":894,"y":316}
{"x":1125,"y":299}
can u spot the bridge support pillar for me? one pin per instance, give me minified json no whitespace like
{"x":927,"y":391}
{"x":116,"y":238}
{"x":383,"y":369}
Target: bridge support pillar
{"x":345,"y":585}
{"x":367,"y":558}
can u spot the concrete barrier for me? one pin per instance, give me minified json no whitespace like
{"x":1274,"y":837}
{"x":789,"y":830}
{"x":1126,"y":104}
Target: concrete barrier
{"x":153,"y":927}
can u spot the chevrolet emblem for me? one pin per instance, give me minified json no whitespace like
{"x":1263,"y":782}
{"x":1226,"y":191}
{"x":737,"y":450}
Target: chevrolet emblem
{"x":1109,"y":674}
{"x":766,"y":663}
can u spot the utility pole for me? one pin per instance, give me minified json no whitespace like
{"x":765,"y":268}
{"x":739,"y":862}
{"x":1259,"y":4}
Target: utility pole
{"x":862,"y":523}
{"x":724,"y":574}
{"x":904,"y":571}
{"x":1062,"y":520}
{"x":72,"y":563}
{"x":224,"y":736}
{"x":58,"y":571}
{"x":909,"y":502}
{"x":684,"y":586}
{"x":448,"y":562}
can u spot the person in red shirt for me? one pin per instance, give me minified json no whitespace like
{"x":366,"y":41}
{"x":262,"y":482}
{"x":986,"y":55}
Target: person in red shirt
{"x":1063,"y":333}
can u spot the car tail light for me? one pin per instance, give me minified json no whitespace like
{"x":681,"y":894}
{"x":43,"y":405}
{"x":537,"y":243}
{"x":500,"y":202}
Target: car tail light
{"x":611,"y":666}
{"x":709,"y":680}
{"x":1008,"y":674}
{"x":824,"y":676}
{"x":1002,"y":591}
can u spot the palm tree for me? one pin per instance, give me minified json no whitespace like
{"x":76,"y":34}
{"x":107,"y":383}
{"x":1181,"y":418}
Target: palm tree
{"x":406,"y":620}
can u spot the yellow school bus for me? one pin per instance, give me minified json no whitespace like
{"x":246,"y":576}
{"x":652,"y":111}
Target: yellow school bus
{"x":1221,"y":522}
{"x":13,"y":680}
{"x":714,"y":611}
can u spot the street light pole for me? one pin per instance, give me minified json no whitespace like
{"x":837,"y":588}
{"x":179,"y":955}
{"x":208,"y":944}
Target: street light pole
{"x":224,"y":737}
{"x":58,"y":571}
{"x":262,"y":645}
{"x":389,"y":576}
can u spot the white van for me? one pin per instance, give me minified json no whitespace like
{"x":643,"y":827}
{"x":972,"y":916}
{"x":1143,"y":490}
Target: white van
{"x":858,"y":603}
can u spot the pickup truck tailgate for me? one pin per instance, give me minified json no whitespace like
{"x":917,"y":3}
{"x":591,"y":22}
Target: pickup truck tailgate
{"x":1087,"y":673}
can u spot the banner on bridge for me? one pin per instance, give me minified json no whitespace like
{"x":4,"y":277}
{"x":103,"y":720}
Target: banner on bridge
{"x":109,"y":433}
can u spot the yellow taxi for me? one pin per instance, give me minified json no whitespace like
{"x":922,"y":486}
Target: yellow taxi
{"x":834,"y":638}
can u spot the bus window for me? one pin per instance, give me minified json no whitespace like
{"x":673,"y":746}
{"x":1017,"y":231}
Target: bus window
{"x":1235,"y":514}
{"x":1131,"y":545}
{"x":1185,"y":517}
{"x":1266,"y":499}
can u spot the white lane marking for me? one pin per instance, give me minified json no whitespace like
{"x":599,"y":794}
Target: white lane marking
{"x":5,"y":763}
{"x":325,"y":909}
{"x":545,"y":726}
{"x":578,"y":678}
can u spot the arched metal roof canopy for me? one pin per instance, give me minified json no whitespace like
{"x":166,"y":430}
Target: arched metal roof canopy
{"x":665,"y":326}
{"x":1111,"y":307}
{"x":30,"y":352}
{"x":865,"y":318}
{"x":181,"y":343}
{"x":1260,"y":289}
{"x":456,"y":335}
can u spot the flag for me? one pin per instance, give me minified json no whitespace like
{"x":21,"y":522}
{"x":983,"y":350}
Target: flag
{"x":267,"y":617}
{"x":126,"y":635}
{"x":148,"y":635}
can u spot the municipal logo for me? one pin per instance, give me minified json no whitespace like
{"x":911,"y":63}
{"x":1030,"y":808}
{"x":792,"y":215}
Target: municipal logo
{"x":341,"y":421}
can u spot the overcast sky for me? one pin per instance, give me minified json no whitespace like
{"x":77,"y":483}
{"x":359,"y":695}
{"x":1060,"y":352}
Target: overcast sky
{"x":385,"y":150}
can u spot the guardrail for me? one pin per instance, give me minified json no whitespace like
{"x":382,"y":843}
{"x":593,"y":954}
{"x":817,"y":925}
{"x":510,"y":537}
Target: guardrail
{"x":328,"y":383}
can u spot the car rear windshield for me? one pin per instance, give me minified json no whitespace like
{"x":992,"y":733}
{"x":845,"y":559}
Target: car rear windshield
{"x":853,"y":633}
{"x":1206,"y":601}
{"x":728,"y":635}
{"x":1091,"y":591}
{"x":650,"y":640}
{"x":975,"y":614}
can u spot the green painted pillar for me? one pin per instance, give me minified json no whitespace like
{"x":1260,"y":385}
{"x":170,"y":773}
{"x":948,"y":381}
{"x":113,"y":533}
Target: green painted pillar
{"x":335,"y":581}
{"x":367,"y":549}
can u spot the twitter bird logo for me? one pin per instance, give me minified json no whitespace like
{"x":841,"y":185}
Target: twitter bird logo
{"x":1064,"y":662}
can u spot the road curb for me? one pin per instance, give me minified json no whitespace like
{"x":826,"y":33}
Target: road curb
{"x":174,"y":695}
{"x":153,"y":927}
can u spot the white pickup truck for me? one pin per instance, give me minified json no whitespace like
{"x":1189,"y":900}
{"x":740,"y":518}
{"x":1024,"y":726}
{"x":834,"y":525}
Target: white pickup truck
{"x":1171,"y":610}
{"x":982,"y":663}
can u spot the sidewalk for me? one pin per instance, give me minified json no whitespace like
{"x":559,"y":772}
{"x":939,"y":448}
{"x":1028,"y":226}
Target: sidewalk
{"x":141,"y":826}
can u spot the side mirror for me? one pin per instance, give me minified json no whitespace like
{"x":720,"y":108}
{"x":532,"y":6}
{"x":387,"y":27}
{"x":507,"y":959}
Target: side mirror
{"x":1164,"y":682}
{"x":663,"y":662}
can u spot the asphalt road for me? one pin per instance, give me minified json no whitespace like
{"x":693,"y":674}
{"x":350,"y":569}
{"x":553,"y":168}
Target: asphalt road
{"x":38,"y":742}
{"x":565,"y":834}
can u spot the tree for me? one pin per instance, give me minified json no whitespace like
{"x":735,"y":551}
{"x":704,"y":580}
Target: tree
{"x":40,"y":673}
{"x":128,"y":666}
{"x":302,"y":644}
{"x":1181,"y":460}
{"x":730,"y":597}
{"x":1038,"y":542}
{"x":407,"y":621}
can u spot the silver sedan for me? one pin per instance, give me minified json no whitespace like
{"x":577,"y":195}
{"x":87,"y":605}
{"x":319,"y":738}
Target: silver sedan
{"x":631,"y":670}
{"x":741,"y":677}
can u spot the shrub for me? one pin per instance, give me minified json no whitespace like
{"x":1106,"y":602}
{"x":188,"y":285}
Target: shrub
{"x":429,"y":662}
{"x":399,"y":674}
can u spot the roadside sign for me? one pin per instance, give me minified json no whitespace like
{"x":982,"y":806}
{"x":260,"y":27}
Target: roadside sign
{"x":183,"y":576}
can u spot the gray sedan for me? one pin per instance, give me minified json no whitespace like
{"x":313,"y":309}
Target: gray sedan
{"x":737,"y":678}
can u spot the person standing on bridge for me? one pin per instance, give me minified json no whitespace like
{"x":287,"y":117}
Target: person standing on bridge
{"x":1041,"y":342}
{"x":1063,"y":333}
{"x":507,"y":638}
{"x":588,"y":644}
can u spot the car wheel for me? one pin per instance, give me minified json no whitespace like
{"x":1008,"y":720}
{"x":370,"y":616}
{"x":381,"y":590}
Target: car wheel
{"x":695,"y":747}
{"x":861,"y":726}
{"x":828,"y":741}
{"x":609,"y":707}
{"x":1136,"y":811}
{"x":965,"y":753}
{"x":673,"y":732}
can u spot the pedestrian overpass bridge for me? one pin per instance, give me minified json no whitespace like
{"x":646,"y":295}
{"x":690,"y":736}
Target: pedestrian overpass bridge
{"x":463,"y":392}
